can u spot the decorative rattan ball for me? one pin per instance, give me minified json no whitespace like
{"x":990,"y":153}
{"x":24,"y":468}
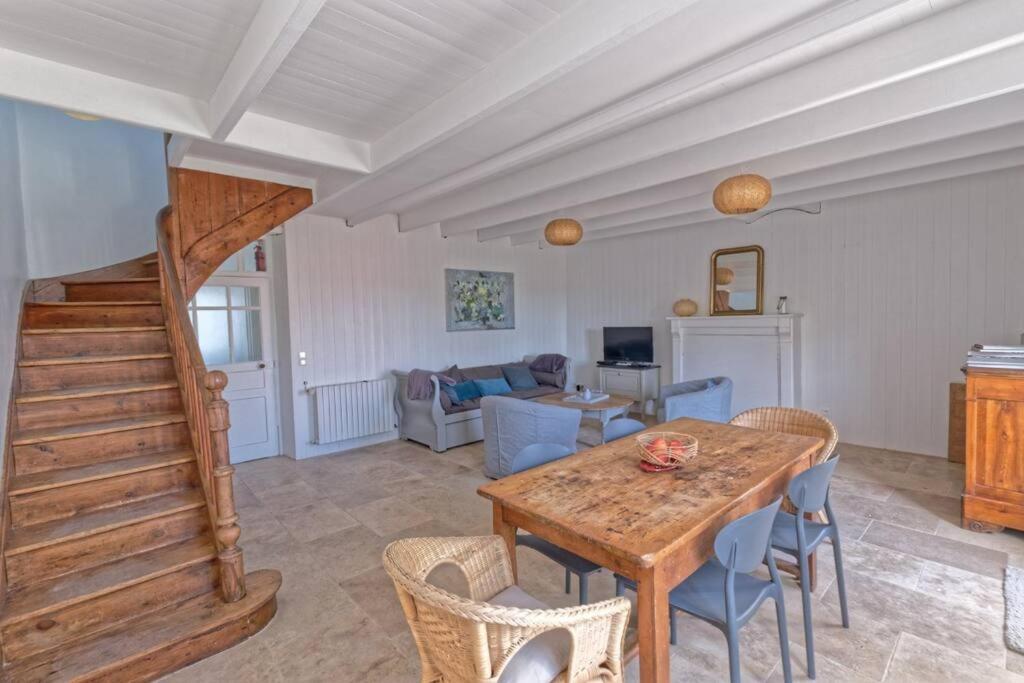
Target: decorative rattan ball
{"x":563,"y":232}
{"x":742,"y":194}
{"x":684,"y":308}
{"x":724,"y":276}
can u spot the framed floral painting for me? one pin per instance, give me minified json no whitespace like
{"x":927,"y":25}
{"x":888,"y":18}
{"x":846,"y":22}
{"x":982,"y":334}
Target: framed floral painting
{"x":479,"y":300}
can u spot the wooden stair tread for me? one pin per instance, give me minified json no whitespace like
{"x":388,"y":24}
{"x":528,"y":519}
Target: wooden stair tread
{"x":113,"y":281}
{"x":44,"y":434}
{"x":52,"y":479}
{"x":91,"y":392}
{"x":144,"y":638}
{"x":93,"y":330}
{"x":75,"y":360}
{"x":28,"y":538}
{"x":71,"y":588}
{"x":44,"y":304}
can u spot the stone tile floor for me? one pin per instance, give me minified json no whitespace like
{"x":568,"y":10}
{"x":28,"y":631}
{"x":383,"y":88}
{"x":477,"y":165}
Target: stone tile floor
{"x":925,"y":595}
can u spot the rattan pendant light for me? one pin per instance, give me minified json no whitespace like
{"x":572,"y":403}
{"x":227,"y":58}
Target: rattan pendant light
{"x":742,"y":194}
{"x":563,"y":232}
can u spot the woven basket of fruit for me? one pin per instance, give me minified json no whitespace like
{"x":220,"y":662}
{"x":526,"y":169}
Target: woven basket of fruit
{"x":663,"y":451}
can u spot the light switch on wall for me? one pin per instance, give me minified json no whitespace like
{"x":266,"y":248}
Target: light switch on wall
{"x":302,"y":357}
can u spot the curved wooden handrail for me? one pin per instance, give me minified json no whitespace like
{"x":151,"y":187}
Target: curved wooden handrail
{"x":207,"y":414}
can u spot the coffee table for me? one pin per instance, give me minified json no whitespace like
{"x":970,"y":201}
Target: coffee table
{"x":603,"y":411}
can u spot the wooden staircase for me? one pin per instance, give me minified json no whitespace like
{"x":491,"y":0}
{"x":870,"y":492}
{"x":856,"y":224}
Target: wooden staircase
{"x":118,"y":564}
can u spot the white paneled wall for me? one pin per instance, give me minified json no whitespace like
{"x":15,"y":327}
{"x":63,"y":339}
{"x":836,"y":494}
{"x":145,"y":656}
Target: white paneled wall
{"x":894,"y":286}
{"x":367,"y":300}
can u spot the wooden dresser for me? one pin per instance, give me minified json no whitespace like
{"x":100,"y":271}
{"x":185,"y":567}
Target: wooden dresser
{"x":994,"y":476}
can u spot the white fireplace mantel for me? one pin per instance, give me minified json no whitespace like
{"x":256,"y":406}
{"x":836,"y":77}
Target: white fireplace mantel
{"x":760,"y":353}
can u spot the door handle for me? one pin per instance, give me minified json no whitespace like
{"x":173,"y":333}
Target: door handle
{"x":261,"y":366}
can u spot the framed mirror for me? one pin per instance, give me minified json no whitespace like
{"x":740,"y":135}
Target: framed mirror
{"x":737,"y":281}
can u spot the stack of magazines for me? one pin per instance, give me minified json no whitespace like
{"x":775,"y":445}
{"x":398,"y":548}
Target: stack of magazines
{"x":1000,"y":357}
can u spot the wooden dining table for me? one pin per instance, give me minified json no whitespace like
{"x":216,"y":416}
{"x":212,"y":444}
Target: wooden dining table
{"x":655,"y":528}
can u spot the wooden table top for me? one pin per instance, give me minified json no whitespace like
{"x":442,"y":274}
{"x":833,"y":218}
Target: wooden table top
{"x":601,"y":496}
{"x":558,"y":399}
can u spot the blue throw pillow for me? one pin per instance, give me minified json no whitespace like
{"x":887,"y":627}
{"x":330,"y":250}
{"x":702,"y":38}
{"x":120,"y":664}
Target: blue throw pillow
{"x":492,"y":387}
{"x":519,"y":377}
{"x":463,"y":391}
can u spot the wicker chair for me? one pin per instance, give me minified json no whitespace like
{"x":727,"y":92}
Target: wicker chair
{"x":792,"y":421}
{"x":472,"y":639}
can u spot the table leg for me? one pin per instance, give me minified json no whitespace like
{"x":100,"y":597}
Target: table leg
{"x":652,"y":626}
{"x":508,"y":533}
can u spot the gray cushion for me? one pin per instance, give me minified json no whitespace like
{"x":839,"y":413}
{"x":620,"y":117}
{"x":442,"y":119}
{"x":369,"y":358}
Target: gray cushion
{"x":519,"y":377}
{"x":482,"y":372}
{"x":526,"y":394}
{"x":543,"y":658}
{"x":467,"y":405}
{"x":551,"y":379}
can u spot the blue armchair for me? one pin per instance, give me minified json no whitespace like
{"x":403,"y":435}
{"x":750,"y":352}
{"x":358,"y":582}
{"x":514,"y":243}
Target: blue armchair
{"x":511,"y":424}
{"x":703,"y":399}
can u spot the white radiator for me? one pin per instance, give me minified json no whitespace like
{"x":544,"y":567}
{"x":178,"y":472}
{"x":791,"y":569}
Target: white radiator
{"x":346,"y":411}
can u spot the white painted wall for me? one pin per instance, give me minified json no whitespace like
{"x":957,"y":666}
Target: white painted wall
{"x":367,"y":300}
{"x":895,"y":286}
{"x":90,"y":190}
{"x":13,"y":270}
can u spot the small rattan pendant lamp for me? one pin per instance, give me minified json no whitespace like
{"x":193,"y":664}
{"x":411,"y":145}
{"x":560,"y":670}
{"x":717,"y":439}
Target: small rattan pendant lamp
{"x":742,"y":194}
{"x":563,"y":232}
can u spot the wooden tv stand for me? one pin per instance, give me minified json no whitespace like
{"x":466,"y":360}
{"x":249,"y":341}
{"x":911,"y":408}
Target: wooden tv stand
{"x":994,"y":476}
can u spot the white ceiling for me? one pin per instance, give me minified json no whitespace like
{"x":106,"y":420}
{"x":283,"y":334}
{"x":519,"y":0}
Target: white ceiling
{"x":487,"y":118}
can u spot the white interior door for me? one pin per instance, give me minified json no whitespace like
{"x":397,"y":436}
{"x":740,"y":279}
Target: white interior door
{"x":233,"y":320}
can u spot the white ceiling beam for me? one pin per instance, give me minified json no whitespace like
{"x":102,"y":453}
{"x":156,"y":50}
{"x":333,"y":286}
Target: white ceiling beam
{"x":627,"y":47}
{"x":28,"y":78}
{"x":963,"y":83}
{"x":800,"y":187}
{"x":272,"y":34}
{"x":965,"y":35}
{"x":245,"y":171}
{"x":293,"y":141}
{"x":964,"y":122}
{"x":805,"y":41}
{"x":994,"y":161}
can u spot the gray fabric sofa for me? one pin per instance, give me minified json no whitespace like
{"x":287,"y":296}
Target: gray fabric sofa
{"x":429,"y":422}
{"x":511,"y":425}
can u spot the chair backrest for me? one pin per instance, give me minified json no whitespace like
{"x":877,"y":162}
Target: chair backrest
{"x":510,"y":424}
{"x":792,"y":421}
{"x":742,"y":543}
{"x":622,"y":426}
{"x":468,"y":639}
{"x":537,"y":454}
{"x":809,"y":489}
{"x":704,"y":399}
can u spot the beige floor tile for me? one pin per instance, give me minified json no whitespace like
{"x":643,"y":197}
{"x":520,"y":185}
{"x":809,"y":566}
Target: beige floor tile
{"x":960,"y":628}
{"x":349,"y":552}
{"x":314,"y":520}
{"x":389,"y":515}
{"x":937,"y":549}
{"x":958,"y":587}
{"x":291,"y":495}
{"x":881,"y":563}
{"x":917,"y":659}
{"x":912,"y":518}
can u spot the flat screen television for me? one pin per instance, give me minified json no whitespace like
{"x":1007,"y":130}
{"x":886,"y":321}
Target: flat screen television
{"x":629,"y":344}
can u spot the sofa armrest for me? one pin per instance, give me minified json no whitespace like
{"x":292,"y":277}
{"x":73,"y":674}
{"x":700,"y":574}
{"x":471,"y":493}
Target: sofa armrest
{"x":563,"y":377}
{"x":407,"y":406}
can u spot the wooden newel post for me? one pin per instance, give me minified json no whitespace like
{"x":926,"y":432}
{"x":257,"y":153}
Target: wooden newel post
{"x":232,"y":573}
